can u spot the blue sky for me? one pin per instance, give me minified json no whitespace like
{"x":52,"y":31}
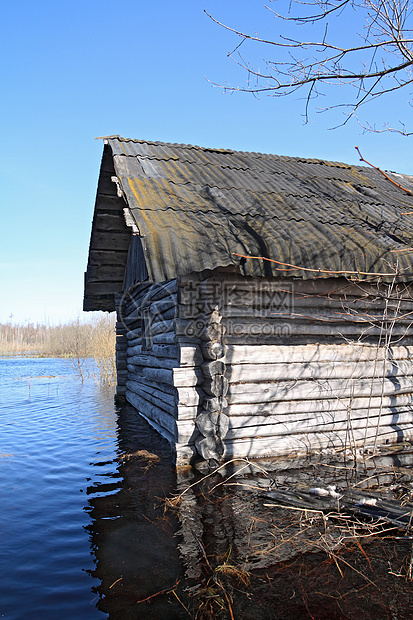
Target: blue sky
{"x":75,"y":70}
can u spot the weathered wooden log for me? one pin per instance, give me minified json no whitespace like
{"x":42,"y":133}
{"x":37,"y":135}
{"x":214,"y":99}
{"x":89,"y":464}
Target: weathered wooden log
{"x":154,"y":396}
{"x":156,"y":315}
{"x":212,"y":350}
{"x":332,"y":287}
{"x":210,"y":448}
{"x":148,"y":360}
{"x":212,"y":423}
{"x":136,"y":342}
{"x":186,"y":431}
{"x":214,"y":403}
{"x":160,"y":351}
{"x":212,"y":331}
{"x":165,"y":289}
{"x":198,"y":328}
{"x":134,"y":312}
{"x":189,"y":355}
{"x":132,"y":323}
{"x":163,"y":338}
{"x":121,"y":376}
{"x":167,"y":389}
{"x":186,"y":355}
{"x":185,"y":400}
{"x":162,"y":327}
{"x":165,"y":350}
{"x":189,"y":396}
{"x":314,"y":425}
{"x":260,"y":328}
{"x":184,"y":455}
{"x":313,"y":390}
{"x":135,"y":291}
{"x":318,"y":370}
{"x":186,"y":377}
{"x":215,"y":386}
{"x":161,"y":307}
{"x":188,"y":340}
{"x":210,"y":369}
{"x":356,"y":323}
{"x":292,"y":301}
{"x":292,"y":407}
{"x":147,"y":293}
{"x":136,"y":350}
{"x":120,"y":390}
{"x":135,"y":402}
{"x":307,"y":442}
{"x":157,"y":374}
{"x":133,"y":334}
{"x":156,"y":414}
{"x":261,"y":353}
{"x":186,"y":413}
{"x":179,"y":377}
{"x":166,"y":315}
{"x":151,"y":290}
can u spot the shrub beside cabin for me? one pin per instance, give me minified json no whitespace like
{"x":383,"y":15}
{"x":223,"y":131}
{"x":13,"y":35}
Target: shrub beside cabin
{"x":264,"y":303}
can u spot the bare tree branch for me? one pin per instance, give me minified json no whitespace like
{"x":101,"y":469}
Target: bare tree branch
{"x":408,"y":191}
{"x":380,"y":64}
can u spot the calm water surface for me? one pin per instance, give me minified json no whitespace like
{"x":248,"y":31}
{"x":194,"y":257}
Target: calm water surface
{"x":70,"y":526}
{"x":85,"y":535}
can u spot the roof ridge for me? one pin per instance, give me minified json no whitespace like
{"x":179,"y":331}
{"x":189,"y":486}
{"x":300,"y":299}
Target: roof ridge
{"x":257,"y":154}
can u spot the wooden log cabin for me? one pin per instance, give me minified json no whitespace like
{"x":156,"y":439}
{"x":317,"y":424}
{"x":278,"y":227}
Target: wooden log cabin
{"x":264,"y":303}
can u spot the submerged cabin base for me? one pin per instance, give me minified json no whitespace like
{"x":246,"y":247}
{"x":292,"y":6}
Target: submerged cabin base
{"x":226,"y":367}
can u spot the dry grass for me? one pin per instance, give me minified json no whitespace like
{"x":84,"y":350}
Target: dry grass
{"x":76,"y":341}
{"x":103,"y":343}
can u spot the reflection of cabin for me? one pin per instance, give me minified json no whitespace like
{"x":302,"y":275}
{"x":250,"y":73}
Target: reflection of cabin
{"x":227,"y":353}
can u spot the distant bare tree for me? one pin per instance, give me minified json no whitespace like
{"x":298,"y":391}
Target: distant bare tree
{"x":375,"y":61}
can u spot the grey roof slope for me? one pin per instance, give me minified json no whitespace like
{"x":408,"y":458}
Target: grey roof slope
{"x":198,"y":207}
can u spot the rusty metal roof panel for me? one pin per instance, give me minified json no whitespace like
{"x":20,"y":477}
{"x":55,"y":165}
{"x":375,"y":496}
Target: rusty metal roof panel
{"x":196,"y":208}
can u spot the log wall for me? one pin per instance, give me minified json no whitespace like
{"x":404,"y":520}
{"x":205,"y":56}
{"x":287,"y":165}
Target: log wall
{"x":162,"y":368}
{"x":302,"y":365}
{"x":226,"y":366}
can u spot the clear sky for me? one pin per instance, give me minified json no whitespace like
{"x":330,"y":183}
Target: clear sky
{"x":75,"y":70}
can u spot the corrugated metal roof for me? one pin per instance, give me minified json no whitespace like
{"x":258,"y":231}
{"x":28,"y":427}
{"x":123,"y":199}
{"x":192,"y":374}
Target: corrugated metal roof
{"x":198,"y":207}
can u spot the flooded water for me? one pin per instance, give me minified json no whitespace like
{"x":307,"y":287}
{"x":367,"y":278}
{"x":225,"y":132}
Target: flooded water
{"x":86,"y":532}
{"x":69,"y":520}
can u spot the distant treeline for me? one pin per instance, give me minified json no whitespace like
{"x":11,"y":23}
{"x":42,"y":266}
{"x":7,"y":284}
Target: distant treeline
{"x":76,"y":340}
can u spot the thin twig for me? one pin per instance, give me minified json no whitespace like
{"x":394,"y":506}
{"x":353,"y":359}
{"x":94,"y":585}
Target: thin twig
{"x":408,"y":191}
{"x":327,"y":271}
{"x":148,"y":598}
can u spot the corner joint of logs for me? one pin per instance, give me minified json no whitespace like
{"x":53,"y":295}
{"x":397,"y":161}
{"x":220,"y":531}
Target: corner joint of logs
{"x":211,"y":422}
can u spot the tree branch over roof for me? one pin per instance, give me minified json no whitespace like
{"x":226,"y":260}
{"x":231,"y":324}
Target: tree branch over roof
{"x":375,"y":62}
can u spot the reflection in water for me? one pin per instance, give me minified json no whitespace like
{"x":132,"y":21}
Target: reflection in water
{"x":223,"y":549}
{"x":250,"y":557}
{"x":131,"y":538}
